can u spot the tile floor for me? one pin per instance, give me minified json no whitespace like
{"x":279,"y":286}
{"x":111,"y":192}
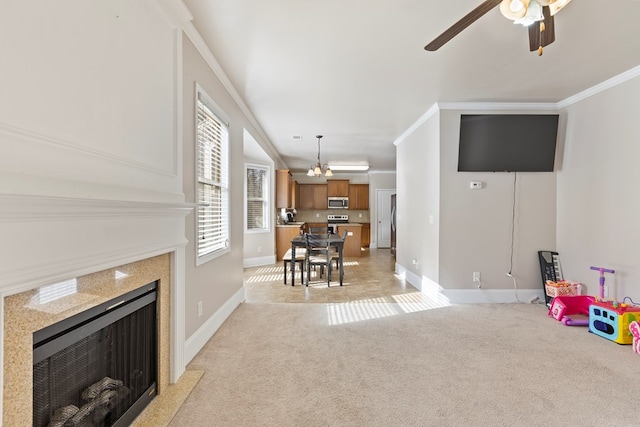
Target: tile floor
{"x":368,"y":277}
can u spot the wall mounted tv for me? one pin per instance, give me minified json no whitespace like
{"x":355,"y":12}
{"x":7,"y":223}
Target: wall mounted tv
{"x":507,"y":142}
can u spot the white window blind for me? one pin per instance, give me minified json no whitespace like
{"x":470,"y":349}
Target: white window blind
{"x":212,"y":140}
{"x":257,"y":201}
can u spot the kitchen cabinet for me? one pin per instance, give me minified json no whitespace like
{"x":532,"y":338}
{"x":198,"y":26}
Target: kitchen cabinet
{"x":337,"y":188}
{"x":353,"y":239}
{"x":285,"y":189}
{"x":366,"y":235}
{"x":284,"y":234}
{"x":359,"y":197}
{"x":319,"y":196}
{"x":294,"y":194}
{"x":312,"y":196}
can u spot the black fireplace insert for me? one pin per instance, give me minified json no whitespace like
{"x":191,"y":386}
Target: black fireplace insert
{"x":99,"y":367}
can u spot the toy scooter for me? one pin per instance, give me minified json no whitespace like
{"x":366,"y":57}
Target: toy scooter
{"x":602,"y":271}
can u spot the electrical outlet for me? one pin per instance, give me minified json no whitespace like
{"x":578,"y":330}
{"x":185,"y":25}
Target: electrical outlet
{"x":476,"y":276}
{"x":259,"y":249}
{"x":199,"y":308}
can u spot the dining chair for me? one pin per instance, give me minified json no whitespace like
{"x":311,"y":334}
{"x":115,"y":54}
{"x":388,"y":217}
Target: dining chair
{"x":335,"y":255}
{"x":300,"y":260}
{"x":318,"y":230}
{"x":318,"y":253}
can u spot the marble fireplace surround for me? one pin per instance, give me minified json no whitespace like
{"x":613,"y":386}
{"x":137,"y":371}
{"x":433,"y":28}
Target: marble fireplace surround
{"x":23,"y":315}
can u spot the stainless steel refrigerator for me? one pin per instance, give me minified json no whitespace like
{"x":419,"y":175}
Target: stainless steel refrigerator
{"x":393,"y":225}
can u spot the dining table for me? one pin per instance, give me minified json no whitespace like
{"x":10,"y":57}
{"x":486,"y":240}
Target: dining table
{"x":301,"y":241}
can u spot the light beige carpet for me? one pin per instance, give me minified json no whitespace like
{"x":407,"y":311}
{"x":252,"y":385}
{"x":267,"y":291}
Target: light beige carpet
{"x":406,"y":365}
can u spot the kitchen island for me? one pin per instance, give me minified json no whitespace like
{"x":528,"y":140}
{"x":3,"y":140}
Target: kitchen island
{"x":352,"y":243}
{"x":284,"y":234}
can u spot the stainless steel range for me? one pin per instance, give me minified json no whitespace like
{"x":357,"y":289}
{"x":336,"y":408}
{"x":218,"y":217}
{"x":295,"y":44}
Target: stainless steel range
{"x":334,"y":220}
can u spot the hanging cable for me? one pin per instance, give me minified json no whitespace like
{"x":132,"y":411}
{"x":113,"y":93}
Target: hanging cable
{"x":513,"y":231}
{"x":513,"y":222}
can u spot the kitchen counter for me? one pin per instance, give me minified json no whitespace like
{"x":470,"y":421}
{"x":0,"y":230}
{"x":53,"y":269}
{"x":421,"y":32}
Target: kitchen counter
{"x":291,"y":224}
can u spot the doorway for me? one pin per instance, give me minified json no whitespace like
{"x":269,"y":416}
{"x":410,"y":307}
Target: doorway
{"x":383,"y":217}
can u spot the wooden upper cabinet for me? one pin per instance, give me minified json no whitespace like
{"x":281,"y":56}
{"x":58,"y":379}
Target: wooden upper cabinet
{"x":359,"y":197}
{"x":285,"y":189}
{"x":294,"y":194}
{"x":338,"y":188}
{"x":306,"y":196}
{"x":312,"y":196}
{"x":319,"y":196}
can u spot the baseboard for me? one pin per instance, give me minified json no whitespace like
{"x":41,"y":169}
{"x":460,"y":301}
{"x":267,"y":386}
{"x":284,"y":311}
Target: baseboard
{"x":197,"y":341}
{"x":256,"y":262}
{"x":468,"y":296}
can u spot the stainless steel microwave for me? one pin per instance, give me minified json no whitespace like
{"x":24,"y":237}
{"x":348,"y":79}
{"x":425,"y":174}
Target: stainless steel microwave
{"x":338,"y":203}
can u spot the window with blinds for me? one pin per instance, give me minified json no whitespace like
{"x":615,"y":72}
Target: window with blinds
{"x":257,"y":200}
{"x":212,"y":190}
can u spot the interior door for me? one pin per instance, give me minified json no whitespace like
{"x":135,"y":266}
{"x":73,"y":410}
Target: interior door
{"x":383,"y":214}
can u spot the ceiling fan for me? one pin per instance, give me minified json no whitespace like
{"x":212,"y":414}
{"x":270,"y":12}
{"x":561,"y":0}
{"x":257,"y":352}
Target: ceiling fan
{"x":535,"y":14}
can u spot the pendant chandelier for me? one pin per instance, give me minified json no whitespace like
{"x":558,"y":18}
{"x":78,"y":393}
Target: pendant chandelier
{"x":319,"y":168}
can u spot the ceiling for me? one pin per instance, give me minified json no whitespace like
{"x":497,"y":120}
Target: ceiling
{"x":356,"y":71}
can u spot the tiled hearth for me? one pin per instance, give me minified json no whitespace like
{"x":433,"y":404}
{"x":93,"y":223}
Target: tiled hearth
{"x":30,"y":311}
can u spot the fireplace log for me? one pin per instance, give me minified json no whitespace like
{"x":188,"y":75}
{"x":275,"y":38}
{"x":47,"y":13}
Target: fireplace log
{"x":62,"y":415}
{"x":94,"y":390}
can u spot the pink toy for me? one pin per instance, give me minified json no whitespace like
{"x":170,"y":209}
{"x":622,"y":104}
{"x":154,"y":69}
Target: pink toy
{"x":602,"y":271}
{"x":634,"y":327}
{"x":571,"y":310}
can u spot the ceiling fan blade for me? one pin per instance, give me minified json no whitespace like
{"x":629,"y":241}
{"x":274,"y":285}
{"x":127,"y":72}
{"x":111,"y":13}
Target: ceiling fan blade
{"x":463,"y":23}
{"x":539,"y":38}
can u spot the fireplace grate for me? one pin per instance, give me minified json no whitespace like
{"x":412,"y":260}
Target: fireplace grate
{"x":105,"y":371}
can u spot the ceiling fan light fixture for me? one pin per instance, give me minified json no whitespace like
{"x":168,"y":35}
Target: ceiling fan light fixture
{"x":534,"y":14}
{"x":516,"y":6}
{"x":555,"y":6}
{"x":514,"y":9}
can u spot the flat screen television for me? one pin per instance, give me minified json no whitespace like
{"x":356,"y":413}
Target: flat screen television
{"x":507,"y":142}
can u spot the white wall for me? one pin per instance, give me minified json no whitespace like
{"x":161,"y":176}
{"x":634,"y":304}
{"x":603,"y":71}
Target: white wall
{"x":219,"y":282}
{"x":598,"y":203}
{"x":89,"y":152}
{"x":471,"y":229}
{"x":476,"y":225}
{"x":418,"y":200}
{"x":90,"y":155}
{"x":87,"y":103}
{"x":259,"y":246}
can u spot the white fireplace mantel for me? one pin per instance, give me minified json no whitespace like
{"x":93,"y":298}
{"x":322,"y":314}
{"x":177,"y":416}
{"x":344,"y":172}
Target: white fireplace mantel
{"x":57,"y":238}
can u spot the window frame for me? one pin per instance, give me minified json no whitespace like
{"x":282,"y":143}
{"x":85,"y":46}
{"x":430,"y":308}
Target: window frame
{"x":201,"y":96}
{"x":265,"y":198}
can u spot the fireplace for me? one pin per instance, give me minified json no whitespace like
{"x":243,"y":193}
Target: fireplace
{"x":99,"y":367}
{"x":34,"y":321}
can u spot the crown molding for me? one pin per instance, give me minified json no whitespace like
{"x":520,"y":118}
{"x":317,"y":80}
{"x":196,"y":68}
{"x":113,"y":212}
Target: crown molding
{"x":494,"y":106}
{"x":426,"y":116}
{"x":519,"y":106}
{"x":607,"y":84}
{"x":180,"y":16}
